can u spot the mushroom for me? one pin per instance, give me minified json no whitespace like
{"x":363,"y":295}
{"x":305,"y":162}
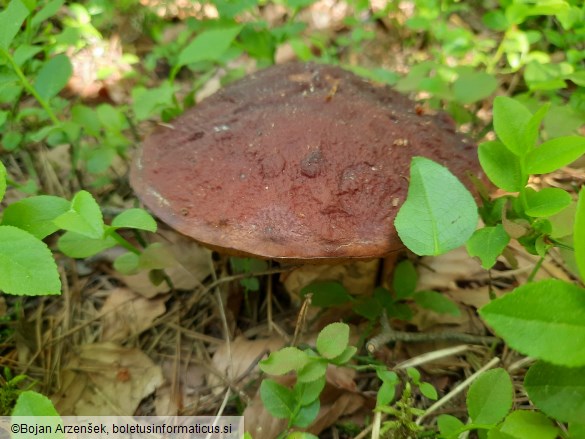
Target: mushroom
{"x":295,"y":162}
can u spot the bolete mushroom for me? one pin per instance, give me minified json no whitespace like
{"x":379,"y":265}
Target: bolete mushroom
{"x":295,"y":162}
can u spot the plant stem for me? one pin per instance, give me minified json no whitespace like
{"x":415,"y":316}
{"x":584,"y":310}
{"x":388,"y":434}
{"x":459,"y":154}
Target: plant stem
{"x":123,"y":243}
{"x":535,"y":270}
{"x":28,"y":86}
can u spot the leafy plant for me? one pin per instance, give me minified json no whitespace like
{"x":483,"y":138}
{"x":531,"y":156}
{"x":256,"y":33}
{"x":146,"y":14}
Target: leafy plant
{"x":11,"y":388}
{"x":28,"y":267}
{"x":300,"y":405}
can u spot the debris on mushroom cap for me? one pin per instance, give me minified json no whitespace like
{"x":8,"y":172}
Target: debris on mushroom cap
{"x":297,"y":161}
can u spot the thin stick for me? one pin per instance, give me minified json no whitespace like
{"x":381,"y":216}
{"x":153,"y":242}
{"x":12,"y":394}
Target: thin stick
{"x":449,"y":396}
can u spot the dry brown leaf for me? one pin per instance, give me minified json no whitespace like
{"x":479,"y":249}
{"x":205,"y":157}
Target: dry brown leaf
{"x":127,"y":313}
{"x":357,"y":277}
{"x":181,"y":388}
{"x":442,"y":272}
{"x":346,"y":404}
{"x":105,"y":379}
{"x":187,"y":262}
{"x":245,"y":355}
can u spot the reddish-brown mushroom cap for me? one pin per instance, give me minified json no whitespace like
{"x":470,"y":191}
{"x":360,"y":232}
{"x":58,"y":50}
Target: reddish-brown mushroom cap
{"x":298,"y":161}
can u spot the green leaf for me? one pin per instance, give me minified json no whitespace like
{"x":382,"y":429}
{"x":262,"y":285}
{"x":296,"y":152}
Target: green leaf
{"x":427,"y":223}
{"x":284,"y":360}
{"x":546,"y":202}
{"x":545,"y":320}
{"x":474,"y":86}
{"x":307,"y":414}
{"x":84,"y":217}
{"x":345,"y":356}
{"x":135,"y":219}
{"x":554,"y":154}
{"x":577,"y":430}
{"x":11,"y":20}
{"x":27,"y":266}
{"x":404,"y":280}
{"x":127,"y":263}
{"x":332,"y":340}
{"x":533,"y":126}
{"x":79,"y":246}
{"x":312,"y":371}
{"x":327,"y":294}
{"x":2,"y":180}
{"x":523,"y":424}
{"x":307,"y":392}
{"x":278,"y":400}
{"x":510,"y":121}
{"x":150,"y":102}
{"x":30,"y":403}
{"x":487,"y":244}
{"x":501,"y":166}
{"x":557,"y":391}
{"x":36,"y":214}
{"x":301,"y":435}
{"x":47,"y":11}
{"x":386,"y":393}
{"x":436,"y":302}
{"x":579,"y":234}
{"x":53,"y":76}
{"x":209,"y":45}
{"x":448,"y":425}
{"x":428,"y":390}
{"x":490,"y":397}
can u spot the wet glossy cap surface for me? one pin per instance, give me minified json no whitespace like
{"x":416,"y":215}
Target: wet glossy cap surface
{"x":298,"y":161}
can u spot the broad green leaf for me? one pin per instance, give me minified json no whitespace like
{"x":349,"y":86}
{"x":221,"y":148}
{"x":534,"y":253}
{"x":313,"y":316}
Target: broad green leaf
{"x":307,"y":414}
{"x":533,"y":126}
{"x":284,"y":360}
{"x":487,"y":244}
{"x":36,"y":214}
{"x":11,"y":20}
{"x":127,"y":263}
{"x":554,"y":154}
{"x":474,"y":86}
{"x":53,"y":76}
{"x":557,"y":391}
{"x":501,"y":166}
{"x":510,"y":121}
{"x":87,"y":118}
{"x":428,"y":391}
{"x":24,"y":52}
{"x":345,"y":356}
{"x":490,"y":397}
{"x":522,"y":424}
{"x":2,"y":180}
{"x":404,"y":280}
{"x":135,"y":219}
{"x":448,"y":425}
{"x":545,"y":320}
{"x":326,"y":294}
{"x":312,"y":371}
{"x":84,"y":217}
{"x":301,"y":435}
{"x":577,"y":430}
{"x":79,"y":246}
{"x":30,"y":403}
{"x":150,"y":102}
{"x":27,"y":266}
{"x":307,"y":392}
{"x":428,"y":223}
{"x":386,"y":393}
{"x":278,"y":400}
{"x":436,"y":302}
{"x":46,"y":12}
{"x":579,"y":234}
{"x":333,"y":339}
{"x":546,"y":202}
{"x":209,"y":45}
